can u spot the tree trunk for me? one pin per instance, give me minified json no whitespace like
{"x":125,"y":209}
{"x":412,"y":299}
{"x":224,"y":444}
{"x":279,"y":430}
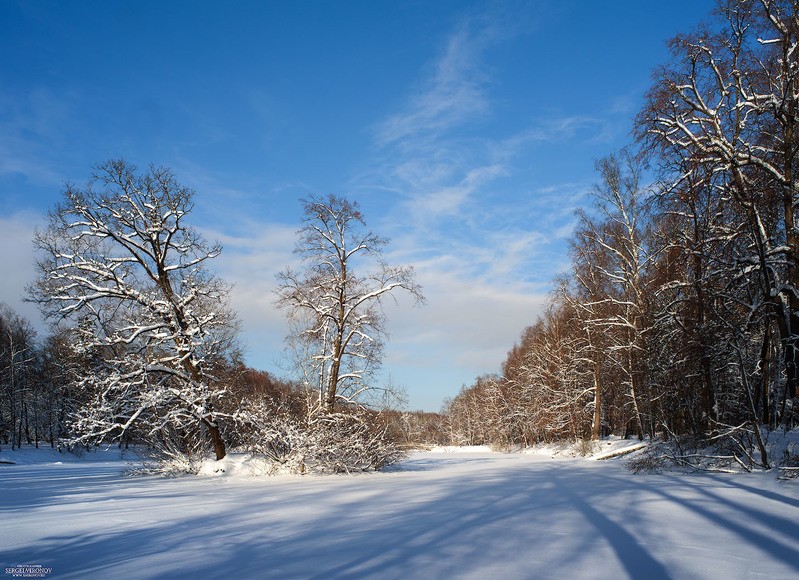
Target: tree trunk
{"x":216,"y":439}
{"x":338,"y":345}
{"x":791,"y":370}
{"x":762,"y":395}
{"x":596,"y":426}
{"x":788,"y":199}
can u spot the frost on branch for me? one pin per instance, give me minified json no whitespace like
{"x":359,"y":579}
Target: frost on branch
{"x":120,"y":265}
{"x":335,"y":302}
{"x":349,"y":441}
{"x":334,"y":306}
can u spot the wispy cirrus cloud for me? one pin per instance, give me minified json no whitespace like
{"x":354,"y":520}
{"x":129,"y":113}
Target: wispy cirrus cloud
{"x":485,"y":244}
{"x":448,"y":170}
{"x":454,"y":93}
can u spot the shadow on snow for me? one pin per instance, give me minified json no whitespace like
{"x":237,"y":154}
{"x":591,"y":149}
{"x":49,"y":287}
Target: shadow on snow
{"x":484,"y":518}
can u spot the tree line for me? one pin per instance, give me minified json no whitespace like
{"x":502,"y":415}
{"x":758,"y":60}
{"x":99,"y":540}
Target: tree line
{"x":144,"y":346}
{"x":679,"y":315}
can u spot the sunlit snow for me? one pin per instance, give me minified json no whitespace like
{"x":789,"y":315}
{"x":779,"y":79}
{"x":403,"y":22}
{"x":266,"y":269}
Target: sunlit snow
{"x":436,"y":515}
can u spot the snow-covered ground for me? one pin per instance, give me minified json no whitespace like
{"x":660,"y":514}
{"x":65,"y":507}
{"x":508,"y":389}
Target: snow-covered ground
{"x":437,"y":515}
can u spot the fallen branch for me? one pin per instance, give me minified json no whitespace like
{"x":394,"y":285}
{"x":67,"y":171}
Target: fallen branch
{"x":788,"y":472}
{"x":619,"y":452}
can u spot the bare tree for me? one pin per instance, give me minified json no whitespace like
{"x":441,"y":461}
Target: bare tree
{"x":18,"y":384}
{"x":587,"y":291}
{"x":728,"y":106}
{"x":619,"y":232}
{"x":120,"y":263}
{"x":335,"y":302}
{"x":555,"y":387}
{"x":469,"y":419}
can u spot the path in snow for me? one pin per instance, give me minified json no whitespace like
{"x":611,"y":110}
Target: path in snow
{"x":479,"y":515}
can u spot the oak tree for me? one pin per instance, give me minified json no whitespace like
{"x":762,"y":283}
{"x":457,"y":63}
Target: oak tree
{"x":121,"y":265}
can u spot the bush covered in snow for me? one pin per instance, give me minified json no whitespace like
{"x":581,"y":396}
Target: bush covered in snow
{"x":343,"y":442}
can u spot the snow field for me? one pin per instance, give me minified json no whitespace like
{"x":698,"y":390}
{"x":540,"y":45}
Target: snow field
{"x":436,"y":515}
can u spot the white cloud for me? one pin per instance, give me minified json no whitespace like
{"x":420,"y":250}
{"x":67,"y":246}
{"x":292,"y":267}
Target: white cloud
{"x":454,"y":93}
{"x":464,"y":314}
{"x":17,"y":262}
{"x":250,"y":260}
{"x":484,"y":255}
{"x":465,"y":330}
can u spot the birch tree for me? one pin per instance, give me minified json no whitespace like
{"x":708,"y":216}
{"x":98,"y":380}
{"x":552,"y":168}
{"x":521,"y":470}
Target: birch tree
{"x":618,"y":235}
{"x":120,"y":263}
{"x":587,"y":293}
{"x":335,"y":301}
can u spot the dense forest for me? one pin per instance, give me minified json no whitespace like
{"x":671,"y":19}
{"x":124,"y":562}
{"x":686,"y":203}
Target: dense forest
{"x":678,"y":318}
{"x":679,"y":315}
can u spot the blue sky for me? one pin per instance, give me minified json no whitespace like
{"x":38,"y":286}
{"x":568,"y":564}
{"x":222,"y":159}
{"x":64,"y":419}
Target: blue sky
{"x":466,"y":130}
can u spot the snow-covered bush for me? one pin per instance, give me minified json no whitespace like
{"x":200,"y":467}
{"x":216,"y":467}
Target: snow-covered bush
{"x":350,"y":441}
{"x":167,"y":465}
{"x":173,"y":453}
{"x":345,"y":442}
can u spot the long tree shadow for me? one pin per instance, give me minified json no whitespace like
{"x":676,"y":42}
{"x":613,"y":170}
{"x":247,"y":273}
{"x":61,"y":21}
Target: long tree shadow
{"x":35,"y":486}
{"x":766,"y":542}
{"x":365,"y":536}
{"x":633,"y":555}
{"x":766,"y":493}
{"x":549,"y":518}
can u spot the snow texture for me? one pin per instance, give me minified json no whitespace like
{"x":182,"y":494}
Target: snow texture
{"x":435,"y":515}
